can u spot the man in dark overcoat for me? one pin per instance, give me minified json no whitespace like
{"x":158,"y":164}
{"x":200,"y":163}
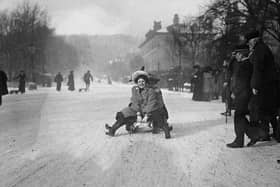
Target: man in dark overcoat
{"x":58,"y":79}
{"x":241,"y":71}
{"x":87,"y":78}
{"x":263,"y":105}
{"x":3,"y":85}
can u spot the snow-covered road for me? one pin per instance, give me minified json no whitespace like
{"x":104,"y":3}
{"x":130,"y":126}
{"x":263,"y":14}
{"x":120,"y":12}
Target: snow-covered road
{"x":57,"y":139}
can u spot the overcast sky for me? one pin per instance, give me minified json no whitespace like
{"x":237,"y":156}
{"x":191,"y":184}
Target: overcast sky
{"x":133,"y":17}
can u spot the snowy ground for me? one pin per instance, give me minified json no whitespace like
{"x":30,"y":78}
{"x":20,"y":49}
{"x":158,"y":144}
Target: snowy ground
{"x":57,"y":139}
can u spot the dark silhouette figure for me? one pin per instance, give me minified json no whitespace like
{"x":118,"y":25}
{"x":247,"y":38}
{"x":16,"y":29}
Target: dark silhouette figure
{"x":87,"y":78}
{"x":58,"y":79}
{"x":71,"y":83}
{"x":3,"y":85}
{"x":22,"y":80}
{"x":197,"y":84}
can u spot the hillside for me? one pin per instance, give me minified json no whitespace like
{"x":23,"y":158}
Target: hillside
{"x":96,"y":51}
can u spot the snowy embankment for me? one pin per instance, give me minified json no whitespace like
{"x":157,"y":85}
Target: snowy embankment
{"x":57,"y":139}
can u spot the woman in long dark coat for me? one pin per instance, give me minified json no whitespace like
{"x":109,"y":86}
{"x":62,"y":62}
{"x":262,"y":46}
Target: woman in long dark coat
{"x":22,"y":80}
{"x":263,"y":105}
{"x":197,"y":84}
{"x":71,"y":83}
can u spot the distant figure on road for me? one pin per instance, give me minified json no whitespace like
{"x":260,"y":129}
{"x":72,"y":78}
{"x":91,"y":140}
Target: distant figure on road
{"x":197,"y":83}
{"x":3,"y":85}
{"x":58,"y":79}
{"x":109,"y":80}
{"x":71,"y":83}
{"x":22,"y":79}
{"x":87,"y":78}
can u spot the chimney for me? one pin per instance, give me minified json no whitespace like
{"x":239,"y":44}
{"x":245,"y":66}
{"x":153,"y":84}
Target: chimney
{"x":157,"y":25}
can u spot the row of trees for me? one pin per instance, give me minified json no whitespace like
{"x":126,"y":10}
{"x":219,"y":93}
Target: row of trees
{"x":230,"y":19}
{"x":27,"y":42}
{"x":209,"y":38}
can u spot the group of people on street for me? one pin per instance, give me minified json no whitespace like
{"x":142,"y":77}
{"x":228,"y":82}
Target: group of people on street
{"x":87,"y":78}
{"x":147,"y":103}
{"x":254,"y":90}
{"x":205,"y":83}
{"x":251,"y":88}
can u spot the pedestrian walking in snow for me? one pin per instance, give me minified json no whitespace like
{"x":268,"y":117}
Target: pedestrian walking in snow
{"x":58,"y":79}
{"x":71,"y":83}
{"x":87,"y":78}
{"x":22,"y":80}
{"x":197,"y":84}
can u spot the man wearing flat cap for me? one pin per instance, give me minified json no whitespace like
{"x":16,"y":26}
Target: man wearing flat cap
{"x":263,"y":105}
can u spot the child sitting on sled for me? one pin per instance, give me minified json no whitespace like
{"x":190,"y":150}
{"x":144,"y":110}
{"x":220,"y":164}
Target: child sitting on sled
{"x":145,"y":100}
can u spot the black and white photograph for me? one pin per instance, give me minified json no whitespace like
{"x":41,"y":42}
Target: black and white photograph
{"x":139,"y":93}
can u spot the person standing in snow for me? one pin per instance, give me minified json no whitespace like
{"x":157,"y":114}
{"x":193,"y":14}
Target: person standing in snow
{"x":22,"y":80}
{"x":197,"y":83}
{"x":71,"y":83}
{"x":58,"y":79}
{"x":241,"y":71}
{"x":3,"y":85}
{"x":264,"y":85}
{"x":87,"y":78}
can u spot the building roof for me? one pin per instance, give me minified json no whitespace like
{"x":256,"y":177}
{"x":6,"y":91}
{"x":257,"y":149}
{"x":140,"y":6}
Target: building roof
{"x":151,"y":34}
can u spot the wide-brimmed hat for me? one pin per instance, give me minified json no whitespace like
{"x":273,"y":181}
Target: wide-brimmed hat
{"x":252,"y":34}
{"x":139,"y":74}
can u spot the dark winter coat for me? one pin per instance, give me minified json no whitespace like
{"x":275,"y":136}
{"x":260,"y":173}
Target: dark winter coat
{"x":240,"y":84}
{"x":22,"y":80}
{"x":197,"y":86}
{"x":71,"y":83}
{"x":143,"y":101}
{"x":264,"y":67}
{"x":88,"y":77}
{"x":3,"y":83}
{"x":58,"y":78}
{"x":160,"y":101}
{"x":264,"y":79}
